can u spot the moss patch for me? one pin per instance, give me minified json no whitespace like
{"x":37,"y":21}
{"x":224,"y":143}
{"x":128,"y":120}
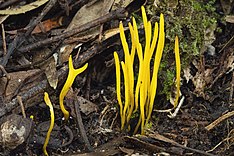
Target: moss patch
{"x":193,"y":21}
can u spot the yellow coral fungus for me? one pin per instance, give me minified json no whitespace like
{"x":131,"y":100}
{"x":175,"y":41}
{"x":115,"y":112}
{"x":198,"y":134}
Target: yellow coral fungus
{"x":48,"y":103}
{"x":118,"y":88}
{"x":177,"y":59}
{"x":141,"y":94}
{"x":157,"y":60}
{"x":70,"y":78}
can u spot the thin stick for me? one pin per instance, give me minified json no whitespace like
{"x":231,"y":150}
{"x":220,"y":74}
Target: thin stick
{"x":4,"y":40}
{"x":173,"y":115}
{"x":2,"y":70}
{"x":21,"y":105}
{"x":231,"y":91}
{"x":81,"y":125}
{"x":220,"y":119}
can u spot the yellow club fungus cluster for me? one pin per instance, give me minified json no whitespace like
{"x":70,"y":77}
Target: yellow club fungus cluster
{"x":48,"y":103}
{"x":70,"y":79}
{"x":140,"y":96}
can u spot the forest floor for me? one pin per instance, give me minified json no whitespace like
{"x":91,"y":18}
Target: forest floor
{"x":34,"y":51}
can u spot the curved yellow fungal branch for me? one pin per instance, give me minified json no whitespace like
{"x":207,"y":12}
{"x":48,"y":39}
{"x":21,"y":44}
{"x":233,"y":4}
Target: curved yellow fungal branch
{"x":177,"y":59}
{"x":48,"y":103}
{"x":126,"y":85}
{"x":137,"y":90}
{"x":70,"y":79}
{"x":128,"y":74}
{"x":118,"y":88}
{"x":157,"y":60}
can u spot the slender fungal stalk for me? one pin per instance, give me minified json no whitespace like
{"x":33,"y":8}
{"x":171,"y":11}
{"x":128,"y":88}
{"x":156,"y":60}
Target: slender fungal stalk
{"x":177,"y":59}
{"x":48,"y":103}
{"x":118,"y":87}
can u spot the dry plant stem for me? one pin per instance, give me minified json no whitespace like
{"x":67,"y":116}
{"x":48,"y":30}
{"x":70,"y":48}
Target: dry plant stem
{"x":226,"y":139}
{"x":2,"y":69}
{"x":144,"y":145}
{"x":13,"y":45}
{"x":228,"y":44}
{"x":81,"y":125}
{"x":112,"y":15}
{"x":219,"y":120}
{"x":164,"y":111}
{"x":19,"y":39}
{"x":103,"y":114}
{"x":21,"y":105}
{"x":4,"y":40}
{"x":167,"y":140}
{"x":173,"y":115}
{"x":113,"y":121}
{"x":231,"y":91}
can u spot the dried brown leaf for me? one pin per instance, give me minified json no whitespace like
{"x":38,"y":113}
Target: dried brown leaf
{"x":16,"y":79}
{"x":48,"y":65}
{"x":51,"y":72}
{"x":23,"y":9}
{"x":87,"y":106}
{"x":229,"y":18}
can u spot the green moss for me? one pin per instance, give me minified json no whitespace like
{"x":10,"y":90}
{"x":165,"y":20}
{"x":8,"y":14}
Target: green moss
{"x":194,"y":22}
{"x":189,"y":19}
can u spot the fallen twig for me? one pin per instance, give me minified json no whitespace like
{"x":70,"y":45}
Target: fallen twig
{"x":220,"y":119}
{"x":4,"y":40}
{"x":229,"y":138}
{"x":81,"y":125}
{"x":173,"y":115}
{"x":21,"y":105}
{"x":165,"y":139}
{"x":231,"y":91}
